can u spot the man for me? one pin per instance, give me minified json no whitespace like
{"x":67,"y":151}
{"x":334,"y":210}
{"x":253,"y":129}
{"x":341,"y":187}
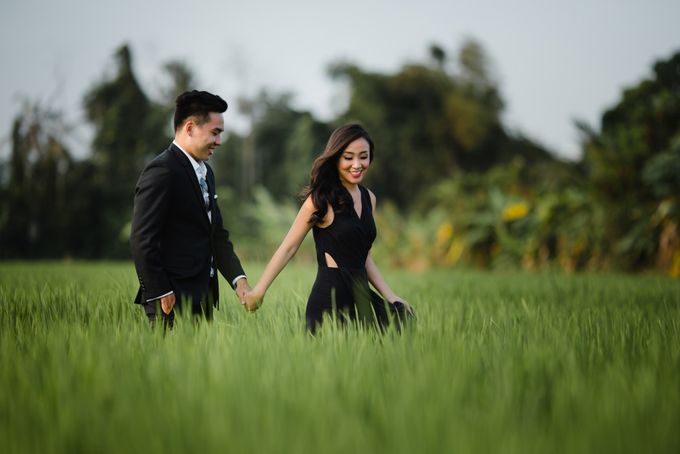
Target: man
{"x":178,"y":240}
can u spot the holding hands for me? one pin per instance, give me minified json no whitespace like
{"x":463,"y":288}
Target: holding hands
{"x":252,"y":300}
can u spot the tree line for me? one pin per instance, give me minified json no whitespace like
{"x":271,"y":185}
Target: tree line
{"x":456,"y":185}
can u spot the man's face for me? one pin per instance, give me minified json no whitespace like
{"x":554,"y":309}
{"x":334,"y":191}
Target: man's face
{"x":206,"y":137}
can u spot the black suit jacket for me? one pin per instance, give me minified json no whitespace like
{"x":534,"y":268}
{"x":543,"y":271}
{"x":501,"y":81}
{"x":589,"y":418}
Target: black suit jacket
{"x":172,"y":238}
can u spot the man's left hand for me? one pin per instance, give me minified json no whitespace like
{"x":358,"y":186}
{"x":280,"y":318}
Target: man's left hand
{"x":242,"y":287}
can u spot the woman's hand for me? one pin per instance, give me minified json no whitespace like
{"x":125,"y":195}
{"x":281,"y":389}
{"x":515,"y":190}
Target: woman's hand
{"x":407,"y":307}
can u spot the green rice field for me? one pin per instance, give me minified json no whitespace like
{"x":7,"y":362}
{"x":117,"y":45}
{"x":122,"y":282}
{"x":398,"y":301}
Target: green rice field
{"x":505,"y":362}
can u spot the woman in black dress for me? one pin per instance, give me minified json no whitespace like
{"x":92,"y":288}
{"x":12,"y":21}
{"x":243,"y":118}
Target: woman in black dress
{"x":340,"y":212}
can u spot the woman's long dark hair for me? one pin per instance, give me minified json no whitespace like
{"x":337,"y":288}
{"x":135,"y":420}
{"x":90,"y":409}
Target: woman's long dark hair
{"x":324,"y":183}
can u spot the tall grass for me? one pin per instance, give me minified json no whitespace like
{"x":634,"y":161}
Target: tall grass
{"x":495,"y":363}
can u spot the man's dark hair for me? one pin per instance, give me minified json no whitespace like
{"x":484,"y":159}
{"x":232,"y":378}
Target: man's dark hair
{"x":197,"y":104}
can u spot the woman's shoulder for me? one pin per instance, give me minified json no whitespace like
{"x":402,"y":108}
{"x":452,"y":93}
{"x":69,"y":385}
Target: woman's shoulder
{"x":364,"y":188}
{"x":308,"y":203}
{"x":308,"y":207}
{"x":371,"y":195}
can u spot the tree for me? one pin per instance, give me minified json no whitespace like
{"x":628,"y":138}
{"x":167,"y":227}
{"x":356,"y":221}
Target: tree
{"x":430,"y":123}
{"x":278,"y":151}
{"x":34,"y":221}
{"x":129,"y":130}
{"x":628,"y":163}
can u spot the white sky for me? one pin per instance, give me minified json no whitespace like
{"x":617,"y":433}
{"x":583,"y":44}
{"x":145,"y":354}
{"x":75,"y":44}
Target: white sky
{"x":556,"y":61}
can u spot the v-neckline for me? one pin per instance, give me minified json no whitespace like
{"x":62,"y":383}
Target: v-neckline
{"x":361,"y":203}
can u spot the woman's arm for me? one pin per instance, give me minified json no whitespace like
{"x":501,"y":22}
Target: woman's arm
{"x":374,"y":275}
{"x":377,"y":280}
{"x":283,"y":254}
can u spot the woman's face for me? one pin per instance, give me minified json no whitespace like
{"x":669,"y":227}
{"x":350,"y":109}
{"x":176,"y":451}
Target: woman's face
{"x":353,"y":162}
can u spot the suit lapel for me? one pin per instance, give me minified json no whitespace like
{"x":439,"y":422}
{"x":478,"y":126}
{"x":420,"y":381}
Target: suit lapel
{"x":193,"y":181}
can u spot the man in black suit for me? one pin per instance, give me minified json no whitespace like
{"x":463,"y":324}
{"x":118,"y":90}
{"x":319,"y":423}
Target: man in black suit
{"x":178,"y":240}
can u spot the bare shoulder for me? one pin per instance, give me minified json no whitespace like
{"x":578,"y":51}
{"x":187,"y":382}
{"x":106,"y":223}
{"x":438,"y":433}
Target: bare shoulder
{"x":373,"y":198}
{"x":308,"y":205}
{"x":308,"y":208}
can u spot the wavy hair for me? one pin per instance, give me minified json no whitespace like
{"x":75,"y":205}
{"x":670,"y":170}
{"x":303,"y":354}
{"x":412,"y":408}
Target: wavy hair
{"x":324,"y":185}
{"x":197,"y":104}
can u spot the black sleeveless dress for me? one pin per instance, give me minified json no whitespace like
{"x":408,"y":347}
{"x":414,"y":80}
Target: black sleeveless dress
{"x":344,"y":292}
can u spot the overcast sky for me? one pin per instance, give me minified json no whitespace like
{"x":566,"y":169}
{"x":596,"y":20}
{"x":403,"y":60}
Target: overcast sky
{"x":556,"y":61}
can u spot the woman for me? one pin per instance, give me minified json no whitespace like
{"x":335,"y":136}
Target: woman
{"x":340,"y":212}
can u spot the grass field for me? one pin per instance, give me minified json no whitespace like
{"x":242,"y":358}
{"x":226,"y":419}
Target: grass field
{"x":498,"y":362}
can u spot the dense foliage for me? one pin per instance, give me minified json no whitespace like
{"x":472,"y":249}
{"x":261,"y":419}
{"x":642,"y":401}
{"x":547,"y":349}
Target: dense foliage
{"x":455,"y":186}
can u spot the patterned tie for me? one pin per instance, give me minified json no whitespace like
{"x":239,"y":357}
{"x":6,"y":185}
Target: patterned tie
{"x":206,"y":200}
{"x":204,"y":190}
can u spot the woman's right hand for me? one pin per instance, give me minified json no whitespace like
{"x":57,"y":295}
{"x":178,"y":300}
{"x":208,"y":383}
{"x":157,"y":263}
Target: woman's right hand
{"x":252,"y":300}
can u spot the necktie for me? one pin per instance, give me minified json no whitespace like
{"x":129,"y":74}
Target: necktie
{"x":206,"y":199}
{"x":204,"y":190}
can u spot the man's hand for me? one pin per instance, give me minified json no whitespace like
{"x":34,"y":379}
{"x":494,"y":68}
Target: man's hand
{"x":242,"y":287}
{"x":167,"y":303}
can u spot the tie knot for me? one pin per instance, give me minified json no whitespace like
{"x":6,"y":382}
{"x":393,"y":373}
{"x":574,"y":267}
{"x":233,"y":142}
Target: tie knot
{"x":201,"y":170}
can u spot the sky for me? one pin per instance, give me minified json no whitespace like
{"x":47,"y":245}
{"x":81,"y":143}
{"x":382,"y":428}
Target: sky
{"x":554,"y":61}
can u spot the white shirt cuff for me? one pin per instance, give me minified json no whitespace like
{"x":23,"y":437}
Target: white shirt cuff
{"x":233,"y":283}
{"x":159,"y":297}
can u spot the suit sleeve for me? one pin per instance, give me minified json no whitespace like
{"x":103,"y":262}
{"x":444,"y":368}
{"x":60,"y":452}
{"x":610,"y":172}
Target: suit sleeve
{"x":151,"y":211}
{"x":226,"y":260}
